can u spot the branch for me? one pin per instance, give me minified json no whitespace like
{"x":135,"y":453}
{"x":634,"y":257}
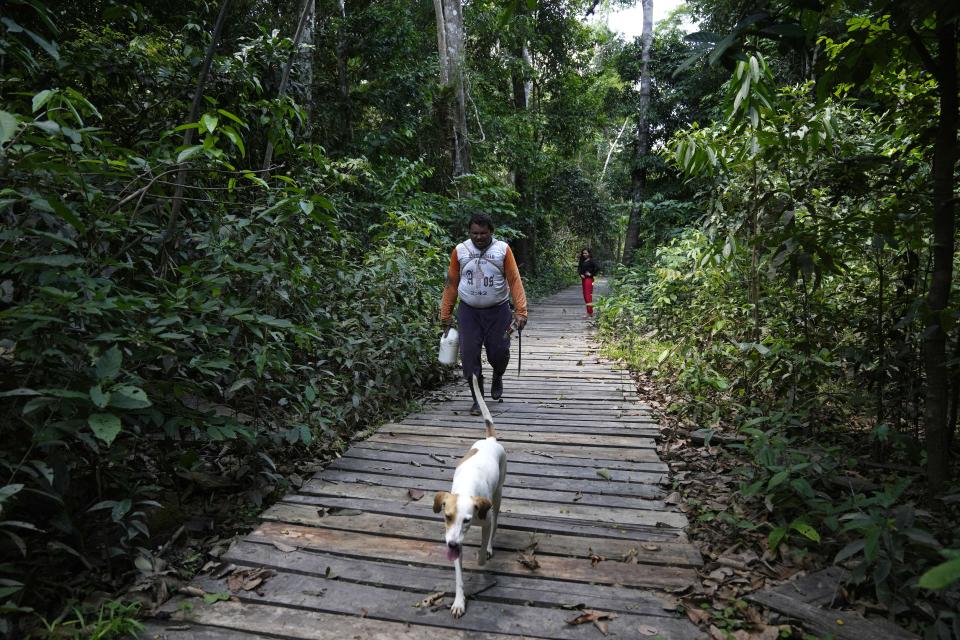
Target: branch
{"x":194,"y":114}
{"x":928,"y":62}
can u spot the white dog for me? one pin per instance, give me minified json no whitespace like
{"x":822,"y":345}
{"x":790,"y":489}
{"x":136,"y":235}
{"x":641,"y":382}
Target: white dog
{"x":477,"y":485}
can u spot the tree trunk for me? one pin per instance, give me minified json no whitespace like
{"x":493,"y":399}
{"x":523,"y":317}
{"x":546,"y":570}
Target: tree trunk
{"x":194,"y":115}
{"x":450,"y":41}
{"x":522,"y":247}
{"x":642,"y":150}
{"x":307,"y":58}
{"x":346,"y":108}
{"x":938,"y":296}
{"x":305,"y":14}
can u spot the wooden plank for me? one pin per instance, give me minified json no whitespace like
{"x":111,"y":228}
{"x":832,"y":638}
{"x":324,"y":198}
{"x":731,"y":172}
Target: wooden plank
{"x":450,"y":455}
{"x":478,"y":584}
{"x":509,"y":436}
{"x":509,"y":540}
{"x":178,"y":629}
{"x":508,"y":521}
{"x":433,"y":554}
{"x":586,"y":453}
{"x":516,"y":506}
{"x":326,"y":484}
{"x":842,"y":625}
{"x":394,"y":605}
{"x":510,"y":425}
{"x":296,"y":624}
{"x":356,"y":470}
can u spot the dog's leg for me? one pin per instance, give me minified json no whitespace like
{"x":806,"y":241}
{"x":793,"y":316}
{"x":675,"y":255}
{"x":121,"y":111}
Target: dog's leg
{"x":485,"y":535}
{"x":493,"y":515}
{"x":459,"y":601}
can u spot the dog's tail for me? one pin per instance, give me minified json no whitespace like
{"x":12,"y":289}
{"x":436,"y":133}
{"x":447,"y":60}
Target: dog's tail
{"x":487,"y":418}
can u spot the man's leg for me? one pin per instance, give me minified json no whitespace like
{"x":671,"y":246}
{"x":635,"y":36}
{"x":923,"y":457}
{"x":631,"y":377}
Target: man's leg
{"x":497,"y":342}
{"x":471,"y":341}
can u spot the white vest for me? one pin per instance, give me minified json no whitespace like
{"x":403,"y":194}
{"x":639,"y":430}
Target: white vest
{"x":482,"y":282}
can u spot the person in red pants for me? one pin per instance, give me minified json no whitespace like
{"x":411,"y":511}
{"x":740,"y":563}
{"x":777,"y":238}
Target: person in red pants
{"x":588,"y":269}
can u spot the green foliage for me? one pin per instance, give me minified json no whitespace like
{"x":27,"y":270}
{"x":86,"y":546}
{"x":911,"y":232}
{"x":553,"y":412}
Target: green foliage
{"x":795,"y":309}
{"x":113,"y":620}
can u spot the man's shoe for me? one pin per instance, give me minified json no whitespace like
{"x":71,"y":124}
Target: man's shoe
{"x":475,"y":409}
{"x":496,"y":387}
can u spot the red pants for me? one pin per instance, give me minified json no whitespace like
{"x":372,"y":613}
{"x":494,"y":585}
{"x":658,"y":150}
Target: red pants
{"x":588,"y":294}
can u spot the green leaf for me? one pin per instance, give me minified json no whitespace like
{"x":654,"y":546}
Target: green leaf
{"x":9,"y":490}
{"x":105,"y":426}
{"x":604,"y":473}
{"x":941,"y":576}
{"x":776,"y":537}
{"x":212,"y":598}
{"x":98,"y":397}
{"x":124,"y":396}
{"x":41,"y":99}
{"x":65,"y":212}
{"x":209,"y":122}
{"x":806,"y":531}
{"x":108,"y":364}
{"x":848,"y":551}
{"x":8,"y":126}
{"x":188,"y":153}
{"x":778,"y":479}
{"x":120,"y":509}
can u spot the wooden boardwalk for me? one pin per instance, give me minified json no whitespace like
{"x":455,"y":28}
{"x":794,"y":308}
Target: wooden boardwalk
{"x":358,"y":551}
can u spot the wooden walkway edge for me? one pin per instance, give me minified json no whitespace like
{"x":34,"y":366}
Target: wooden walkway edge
{"x":357,"y":552}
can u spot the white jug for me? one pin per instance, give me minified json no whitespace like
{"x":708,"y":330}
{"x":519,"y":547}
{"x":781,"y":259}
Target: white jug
{"x":449,"y":347}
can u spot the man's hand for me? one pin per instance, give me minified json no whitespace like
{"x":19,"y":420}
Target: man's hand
{"x":446,"y":326}
{"x":519,"y":322}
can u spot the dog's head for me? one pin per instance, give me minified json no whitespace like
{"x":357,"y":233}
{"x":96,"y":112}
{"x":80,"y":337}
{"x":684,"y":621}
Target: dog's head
{"x":458,"y":513}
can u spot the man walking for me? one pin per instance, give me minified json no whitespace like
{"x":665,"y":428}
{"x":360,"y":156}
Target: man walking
{"x":483,"y":274}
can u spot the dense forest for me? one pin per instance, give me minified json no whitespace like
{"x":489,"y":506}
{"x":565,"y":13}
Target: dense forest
{"x":224,"y":227}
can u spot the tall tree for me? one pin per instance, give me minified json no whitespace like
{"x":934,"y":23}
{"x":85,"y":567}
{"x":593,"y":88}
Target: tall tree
{"x":450,"y":46}
{"x":638,"y":176}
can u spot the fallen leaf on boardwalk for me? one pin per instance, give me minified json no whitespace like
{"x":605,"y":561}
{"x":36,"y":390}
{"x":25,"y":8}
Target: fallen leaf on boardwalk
{"x":541,"y":453}
{"x":430,"y":600}
{"x":415,"y":463}
{"x":286,"y":548}
{"x":631,"y":556}
{"x":415,"y":494}
{"x":651,"y":547}
{"x":673,"y":498}
{"x":602,"y":625}
{"x":248,"y":579}
{"x":528,"y":560}
{"x":438,"y":458}
{"x":594,"y":558}
{"x":647,"y":630}
{"x":592,"y":616}
{"x":698,"y":616}
{"x":604,"y":473}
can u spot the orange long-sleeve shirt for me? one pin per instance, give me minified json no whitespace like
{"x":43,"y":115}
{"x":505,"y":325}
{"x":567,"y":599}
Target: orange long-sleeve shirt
{"x":510,"y":272}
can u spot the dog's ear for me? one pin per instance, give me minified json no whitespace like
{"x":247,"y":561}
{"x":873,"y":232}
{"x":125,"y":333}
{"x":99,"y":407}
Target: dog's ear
{"x":438,"y":500}
{"x":482,"y":505}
